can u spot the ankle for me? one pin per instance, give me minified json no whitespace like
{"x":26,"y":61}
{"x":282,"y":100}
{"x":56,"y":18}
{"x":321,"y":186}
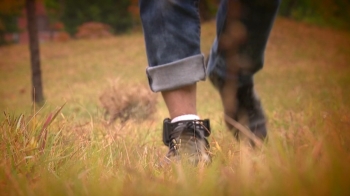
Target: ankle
{"x":181,"y":101}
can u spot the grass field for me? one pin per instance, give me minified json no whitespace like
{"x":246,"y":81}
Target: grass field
{"x":304,"y":87}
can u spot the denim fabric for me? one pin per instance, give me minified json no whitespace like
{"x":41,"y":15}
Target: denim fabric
{"x":256,"y":17}
{"x":172,"y":36}
{"x":176,"y":74}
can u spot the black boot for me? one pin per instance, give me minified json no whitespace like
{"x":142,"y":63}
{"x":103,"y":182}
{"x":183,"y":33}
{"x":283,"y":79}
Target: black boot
{"x":188,"y":138}
{"x":250,"y":108}
{"x":239,"y":100}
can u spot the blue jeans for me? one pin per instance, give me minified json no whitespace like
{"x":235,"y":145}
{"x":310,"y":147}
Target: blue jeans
{"x":172,"y":36}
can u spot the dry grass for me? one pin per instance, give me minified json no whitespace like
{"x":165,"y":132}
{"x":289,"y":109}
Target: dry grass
{"x":126,"y":101}
{"x":304,"y":88}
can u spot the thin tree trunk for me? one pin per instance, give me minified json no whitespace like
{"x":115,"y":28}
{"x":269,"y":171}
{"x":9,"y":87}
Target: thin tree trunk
{"x":37,"y":89}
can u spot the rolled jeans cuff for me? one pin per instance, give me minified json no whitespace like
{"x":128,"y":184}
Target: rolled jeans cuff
{"x":179,"y":73}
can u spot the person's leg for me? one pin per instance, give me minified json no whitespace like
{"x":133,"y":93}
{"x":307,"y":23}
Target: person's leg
{"x":243,"y":28}
{"x":181,"y":101}
{"x":172,"y":37}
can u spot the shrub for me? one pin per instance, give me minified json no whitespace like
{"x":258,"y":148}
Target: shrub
{"x":62,"y":36}
{"x":92,"y":30}
{"x":125,"y":102}
{"x":111,"y":12}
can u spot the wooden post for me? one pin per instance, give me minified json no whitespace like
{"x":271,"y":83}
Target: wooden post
{"x":37,"y":89}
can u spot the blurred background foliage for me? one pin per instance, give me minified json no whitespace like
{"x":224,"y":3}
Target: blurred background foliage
{"x":335,"y":13}
{"x":9,"y":11}
{"x":122,"y":15}
{"x":114,"y":13}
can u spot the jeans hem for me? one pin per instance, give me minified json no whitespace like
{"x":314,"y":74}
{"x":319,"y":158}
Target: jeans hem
{"x":176,"y":74}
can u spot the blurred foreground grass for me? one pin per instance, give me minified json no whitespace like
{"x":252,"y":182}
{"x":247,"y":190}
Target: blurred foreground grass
{"x":304,"y":87}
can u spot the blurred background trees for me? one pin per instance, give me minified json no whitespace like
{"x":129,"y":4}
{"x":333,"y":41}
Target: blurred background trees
{"x":334,"y":13}
{"x":9,"y":11}
{"x":114,"y":13}
{"x":122,"y":15}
